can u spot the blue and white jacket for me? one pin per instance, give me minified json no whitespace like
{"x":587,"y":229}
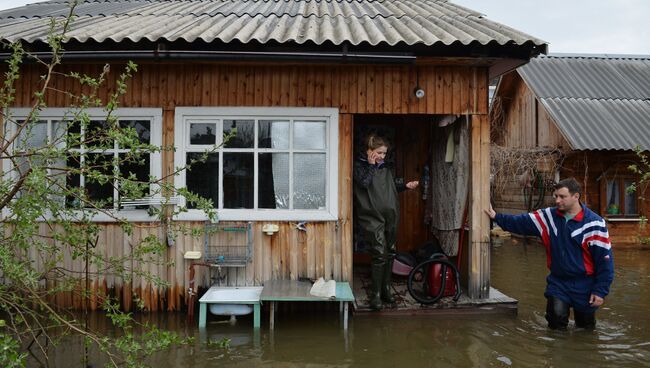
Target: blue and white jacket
{"x":576,"y":248}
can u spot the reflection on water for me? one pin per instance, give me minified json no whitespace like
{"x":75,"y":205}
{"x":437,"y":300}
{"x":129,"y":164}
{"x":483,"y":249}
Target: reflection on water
{"x":622,"y":336}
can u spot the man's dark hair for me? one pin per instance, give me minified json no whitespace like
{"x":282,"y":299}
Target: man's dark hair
{"x":571,"y":184}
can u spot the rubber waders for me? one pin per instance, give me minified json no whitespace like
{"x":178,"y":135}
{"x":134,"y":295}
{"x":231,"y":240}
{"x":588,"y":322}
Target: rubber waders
{"x":386,"y":292}
{"x":377,"y":277}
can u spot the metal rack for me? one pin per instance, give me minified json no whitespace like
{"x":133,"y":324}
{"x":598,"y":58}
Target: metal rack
{"x":228,"y":245}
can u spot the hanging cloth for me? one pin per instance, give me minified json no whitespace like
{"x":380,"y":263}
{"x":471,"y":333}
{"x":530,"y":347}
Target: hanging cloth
{"x":450,"y":180}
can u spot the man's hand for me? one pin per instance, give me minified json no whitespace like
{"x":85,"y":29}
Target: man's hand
{"x":412,"y":184}
{"x":595,"y":300}
{"x":490,"y":212}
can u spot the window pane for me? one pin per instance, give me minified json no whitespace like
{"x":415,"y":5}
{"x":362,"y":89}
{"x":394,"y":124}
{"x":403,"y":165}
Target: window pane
{"x":203,"y":133}
{"x":58,"y":175}
{"x":99,"y":181}
{"x":630,"y":199}
{"x":273,"y":180}
{"x":245,"y":136}
{"x":74,"y":137}
{"x":97,"y":137}
{"x":309,"y":134}
{"x":141,"y":127}
{"x":34,"y":135}
{"x":309,"y":179}
{"x":73,"y":181}
{"x":202,"y":178}
{"x":238,"y":174}
{"x":613,"y":197}
{"x":273,"y":134}
{"x":138,"y":167}
{"x":59,"y":132}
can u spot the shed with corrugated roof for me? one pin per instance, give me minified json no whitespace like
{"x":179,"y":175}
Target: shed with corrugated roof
{"x":593,"y":111}
{"x":301,"y":81}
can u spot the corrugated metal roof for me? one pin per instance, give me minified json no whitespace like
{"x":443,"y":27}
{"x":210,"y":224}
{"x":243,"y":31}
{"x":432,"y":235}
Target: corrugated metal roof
{"x":588,"y":76}
{"x":358,"y":21}
{"x":597,"y":101}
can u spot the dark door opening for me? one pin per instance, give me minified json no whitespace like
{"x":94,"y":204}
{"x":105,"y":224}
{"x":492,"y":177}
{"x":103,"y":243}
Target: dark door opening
{"x":410,"y":138}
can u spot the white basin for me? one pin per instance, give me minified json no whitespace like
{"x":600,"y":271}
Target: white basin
{"x":232,"y":301}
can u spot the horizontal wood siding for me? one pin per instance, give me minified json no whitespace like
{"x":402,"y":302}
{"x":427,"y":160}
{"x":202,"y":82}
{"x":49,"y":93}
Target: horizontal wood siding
{"x":325,"y":249}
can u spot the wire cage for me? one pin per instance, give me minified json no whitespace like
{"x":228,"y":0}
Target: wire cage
{"x":228,"y":245}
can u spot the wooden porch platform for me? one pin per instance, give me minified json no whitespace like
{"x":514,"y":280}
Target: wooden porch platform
{"x":496,"y":303}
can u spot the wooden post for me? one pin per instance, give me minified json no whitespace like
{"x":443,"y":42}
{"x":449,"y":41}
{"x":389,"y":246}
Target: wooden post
{"x":346,"y":130}
{"x":479,"y":238}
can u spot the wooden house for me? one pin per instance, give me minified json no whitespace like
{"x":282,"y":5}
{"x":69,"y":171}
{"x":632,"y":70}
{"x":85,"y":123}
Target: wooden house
{"x":594,"y":110}
{"x":300,"y":77}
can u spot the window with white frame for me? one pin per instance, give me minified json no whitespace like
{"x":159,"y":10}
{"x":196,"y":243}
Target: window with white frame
{"x":55,"y":124}
{"x":279,"y":163}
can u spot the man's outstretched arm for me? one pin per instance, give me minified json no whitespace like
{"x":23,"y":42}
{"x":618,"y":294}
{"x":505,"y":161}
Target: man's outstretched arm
{"x":519,"y":224}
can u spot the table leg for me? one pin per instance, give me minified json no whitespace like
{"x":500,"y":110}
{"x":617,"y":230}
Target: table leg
{"x":272,"y":316}
{"x":256,"y":315}
{"x":203,"y":309}
{"x":345,"y":316}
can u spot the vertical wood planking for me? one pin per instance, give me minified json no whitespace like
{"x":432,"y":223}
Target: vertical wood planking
{"x":352,"y":74}
{"x":479,"y":256}
{"x":293,"y":87}
{"x":345,"y":194}
{"x":285,"y":87}
{"x":259,"y":88}
{"x":327,"y":87}
{"x":370,"y":89}
{"x":345,"y":88}
{"x":310,"y":84}
{"x":336,"y":86}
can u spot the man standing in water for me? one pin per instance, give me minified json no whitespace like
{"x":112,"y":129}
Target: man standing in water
{"x":578,"y":254}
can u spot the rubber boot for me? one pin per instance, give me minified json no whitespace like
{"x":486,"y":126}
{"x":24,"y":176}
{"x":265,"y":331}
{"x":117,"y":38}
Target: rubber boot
{"x":376,"y":276}
{"x":386,"y":292}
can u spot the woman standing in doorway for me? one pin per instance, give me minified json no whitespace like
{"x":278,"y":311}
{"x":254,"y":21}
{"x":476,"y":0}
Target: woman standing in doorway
{"x":377,"y":213}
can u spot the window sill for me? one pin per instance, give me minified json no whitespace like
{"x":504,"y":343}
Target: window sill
{"x":623,"y":219}
{"x":258,"y":215}
{"x":109,"y":216}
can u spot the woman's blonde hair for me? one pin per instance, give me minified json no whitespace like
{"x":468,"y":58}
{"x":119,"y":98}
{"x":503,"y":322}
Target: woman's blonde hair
{"x":374,"y":141}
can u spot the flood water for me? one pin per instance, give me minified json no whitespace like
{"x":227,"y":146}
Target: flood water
{"x":621,"y":338}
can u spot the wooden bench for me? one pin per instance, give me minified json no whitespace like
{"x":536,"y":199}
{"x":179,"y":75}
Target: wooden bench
{"x":298,"y":291}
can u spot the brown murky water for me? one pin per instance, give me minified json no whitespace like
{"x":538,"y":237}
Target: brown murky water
{"x":621,"y":339}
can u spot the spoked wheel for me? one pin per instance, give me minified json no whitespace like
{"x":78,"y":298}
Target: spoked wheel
{"x":418,"y":280}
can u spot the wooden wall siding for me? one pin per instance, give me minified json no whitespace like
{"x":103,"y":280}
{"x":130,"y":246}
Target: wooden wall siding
{"x":587,"y":168}
{"x":479,"y":236}
{"x":351,"y":88}
{"x":548,"y":135}
{"x":343,"y":228}
{"x":527,"y":124}
{"x":624,"y":234}
{"x":326,"y":248}
{"x":321,"y":251}
{"x":519,"y":125}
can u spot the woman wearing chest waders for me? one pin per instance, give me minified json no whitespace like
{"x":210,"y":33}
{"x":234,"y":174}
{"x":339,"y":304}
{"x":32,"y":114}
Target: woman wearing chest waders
{"x":377,"y":213}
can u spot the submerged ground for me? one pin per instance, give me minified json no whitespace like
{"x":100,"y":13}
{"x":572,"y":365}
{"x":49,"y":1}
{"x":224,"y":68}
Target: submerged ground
{"x":622,"y":337}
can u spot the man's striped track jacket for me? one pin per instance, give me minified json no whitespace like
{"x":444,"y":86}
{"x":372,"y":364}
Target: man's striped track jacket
{"x":576,"y":248}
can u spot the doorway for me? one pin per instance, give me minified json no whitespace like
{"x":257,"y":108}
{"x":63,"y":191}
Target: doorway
{"x":410,"y":140}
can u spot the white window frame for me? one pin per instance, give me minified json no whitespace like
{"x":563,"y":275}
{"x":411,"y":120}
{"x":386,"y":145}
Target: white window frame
{"x":181,"y":134}
{"x":131,"y":113}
